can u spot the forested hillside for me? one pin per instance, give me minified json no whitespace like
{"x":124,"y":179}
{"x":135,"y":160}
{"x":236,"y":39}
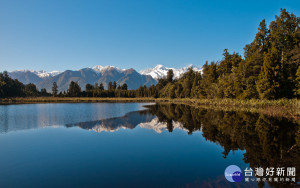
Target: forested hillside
{"x":269,"y":70}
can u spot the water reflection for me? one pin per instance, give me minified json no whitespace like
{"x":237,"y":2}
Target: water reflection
{"x":35,"y":116}
{"x":129,"y":121}
{"x":267,"y":141}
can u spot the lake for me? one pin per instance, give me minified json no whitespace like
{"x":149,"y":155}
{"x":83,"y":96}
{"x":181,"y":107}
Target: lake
{"x":141,"y":145}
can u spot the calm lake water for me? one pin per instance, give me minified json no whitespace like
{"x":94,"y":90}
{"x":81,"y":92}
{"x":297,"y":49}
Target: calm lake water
{"x":130,"y":145}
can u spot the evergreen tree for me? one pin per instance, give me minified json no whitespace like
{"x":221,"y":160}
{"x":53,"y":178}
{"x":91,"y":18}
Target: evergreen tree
{"x":44,"y":92}
{"x":89,"y":90}
{"x":101,"y":87}
{"x":110,"y":86}
{"x":267,"y":84}
{"x":10,"y":87}
{"x":254,"y":58}
{"x":31,"y":90}
{"x":209,"y":80}
{"x":283,"y":37}
{"x":187,"y":80}
{"x":277,"y":77}
{"x":89,"y":87}
{"x":54,"y":89}
{"x":74,"y":89}
{"x":124,"y":87}
{"x":196,"y":87}
{"x":170,"y":75}
{"x":114,"y":86}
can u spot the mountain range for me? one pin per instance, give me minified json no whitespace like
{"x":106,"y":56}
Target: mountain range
{"x":96,"y":74}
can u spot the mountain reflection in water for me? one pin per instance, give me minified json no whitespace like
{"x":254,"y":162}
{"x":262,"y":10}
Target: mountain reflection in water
{"x":144,"y":119}
{"x":266,"y":141}
{"x":129,"y":121}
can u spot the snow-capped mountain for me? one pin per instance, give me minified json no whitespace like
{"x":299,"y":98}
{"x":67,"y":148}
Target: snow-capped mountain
{"x":102,"y":69}
{"x":41,"y":73}
{"x":98,"y":74}
{"x":159,"y":71}
{"x":32,"y":76}
{"x":44,"y":74}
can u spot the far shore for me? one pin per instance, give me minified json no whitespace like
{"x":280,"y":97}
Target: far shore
{"x":33,"y":100}
{"x":282,"y":107}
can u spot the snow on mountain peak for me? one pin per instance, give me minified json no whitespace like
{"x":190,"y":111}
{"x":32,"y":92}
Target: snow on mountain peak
{"x":44,"y":74}
{"x":101,"y":69}
{"x":159,"y":66}
{"x":41,"y":73}
{"x":159,"y":71}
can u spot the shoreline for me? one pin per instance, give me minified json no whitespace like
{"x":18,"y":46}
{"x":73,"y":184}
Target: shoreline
{"x":281,"y":107}
{"x":37,"y":100}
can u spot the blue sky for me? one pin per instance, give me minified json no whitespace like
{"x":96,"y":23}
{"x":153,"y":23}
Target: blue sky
{"x":71,"y":34}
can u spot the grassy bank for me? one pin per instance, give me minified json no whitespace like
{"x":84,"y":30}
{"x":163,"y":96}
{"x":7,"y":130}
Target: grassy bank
{"x":294,"y":103}
{"x":253,"y":103}
{"x":289,"y":108}
{"x":282,"y":107}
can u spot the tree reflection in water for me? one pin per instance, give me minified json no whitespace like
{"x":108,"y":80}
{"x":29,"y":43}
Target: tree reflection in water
{"x":267,"y":141}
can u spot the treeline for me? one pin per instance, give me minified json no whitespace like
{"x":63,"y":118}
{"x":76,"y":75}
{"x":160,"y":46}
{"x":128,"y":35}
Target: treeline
{"x":13,"y":88}
{"x":269,"y":70}
{"x":98,"y":90}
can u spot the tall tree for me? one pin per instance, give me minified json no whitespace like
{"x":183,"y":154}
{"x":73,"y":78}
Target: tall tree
{"x":54,"y":89}
{"x":254,"y":58}
{"x":110,"y":86}
{"x":283,"y":37}
{"x":275,"y":80}
{"x":74,"y":89}
{"x":114,"y":86}
{"x":170,"y":75}
{"x":268,"y":81}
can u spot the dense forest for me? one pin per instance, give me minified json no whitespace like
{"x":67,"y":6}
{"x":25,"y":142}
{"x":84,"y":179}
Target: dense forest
{"x":269,"y":70}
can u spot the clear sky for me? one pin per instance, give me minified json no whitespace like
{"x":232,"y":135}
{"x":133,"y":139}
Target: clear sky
{"x":71,"y":34}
